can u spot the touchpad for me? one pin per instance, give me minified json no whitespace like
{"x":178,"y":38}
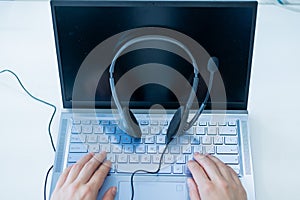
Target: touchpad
{"x":153,"y":190}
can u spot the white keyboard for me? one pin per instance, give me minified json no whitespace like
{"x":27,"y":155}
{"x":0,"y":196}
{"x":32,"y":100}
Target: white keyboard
{"x":128,"y":154}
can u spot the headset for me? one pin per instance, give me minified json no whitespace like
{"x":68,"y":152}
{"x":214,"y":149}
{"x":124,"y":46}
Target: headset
{"x":178,"y":123}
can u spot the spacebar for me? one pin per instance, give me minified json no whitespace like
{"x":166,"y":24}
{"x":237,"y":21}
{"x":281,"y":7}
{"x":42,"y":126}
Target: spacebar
{"x":130,"y":168}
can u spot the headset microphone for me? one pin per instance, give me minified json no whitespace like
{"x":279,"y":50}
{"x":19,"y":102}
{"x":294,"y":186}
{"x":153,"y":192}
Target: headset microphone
{"x":212,"y":67}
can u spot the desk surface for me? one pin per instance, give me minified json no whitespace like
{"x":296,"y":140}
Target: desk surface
{"x":27,"y":47}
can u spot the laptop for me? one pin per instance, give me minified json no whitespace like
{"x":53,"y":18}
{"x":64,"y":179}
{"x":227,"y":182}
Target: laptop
{"x":157,"y":49}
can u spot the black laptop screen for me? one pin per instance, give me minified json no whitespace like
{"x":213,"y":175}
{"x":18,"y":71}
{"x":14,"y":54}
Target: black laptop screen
{"x":224,"y":30}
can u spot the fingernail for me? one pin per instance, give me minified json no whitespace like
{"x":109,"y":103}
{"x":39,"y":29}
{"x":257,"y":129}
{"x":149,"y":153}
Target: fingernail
{"x":114,"y":191}
{"x":191,"y":164}
{"x":199,"y":155}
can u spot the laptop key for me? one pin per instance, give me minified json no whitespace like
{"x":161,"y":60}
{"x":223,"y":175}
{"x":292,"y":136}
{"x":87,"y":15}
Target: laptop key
{"x":145,"y":158}
{"x":76,"y":129}
{"x":178,"y":169}
{"x":227,"y":149}
{"x":144,"y":122}
{"x":116,"y":149}
{"x":232,"y":123}
{"x":156,"y":158}
{"x":78,"y":148}
{"x":180,"y":159}
{"x":218,"y":140}
{"x":175,"y":149}
{"x":145,"y":130}
{"x":98,"y":129}
{"x":206,"y":139}
{"x":111,"y":157}
{"x":195,"y":140}
{"x":76,"y":121}
{"x":95,"y":122}
{"x":227,"y":130}
{"x":105,"y":147}
{"x":197,"y":149}
{"x":212,"y":130}
{"x":149,"y":139}
{"x":103,"y":139}
{"x":130,"y":168}
{"x":229,"y":159}
{"x":74,"y":157}
{"x":184,"y":139}
{"x":77,"y":138}
{"x":200,"y":130}
{"x":87,"y":129}
{"x":122,"y":158}
{"x":186,"y":149}
{"x":152,"y":149}
{"x":209,"y":149}
{"x":125,"y":139}
{"x":154,"y":130}
{"x":169,"y":158}
{"x":92,"y":138}
{"x":128,"y":148}
{"x":94,"y":148}
{"x":202,"y":123}
{"x":86,"y":122}
{"x":160,"y":139}
{"x":104,"y":122}
{"x":140,"y":148}
{"x":161,"y":149}
{"x":110,"y":129}
{"x":133,"y":158}
{"x":115,"y":139}
{"x":231,"y":140}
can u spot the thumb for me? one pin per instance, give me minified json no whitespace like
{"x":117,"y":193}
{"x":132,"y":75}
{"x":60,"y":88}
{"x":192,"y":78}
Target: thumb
{"x":110,"y":194}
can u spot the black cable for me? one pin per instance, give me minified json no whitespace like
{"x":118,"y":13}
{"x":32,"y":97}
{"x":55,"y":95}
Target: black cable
{"x":37,"y":99}
{"x":45,"y":183}
{"x":50,"y":122}
{"x":148,"y":172}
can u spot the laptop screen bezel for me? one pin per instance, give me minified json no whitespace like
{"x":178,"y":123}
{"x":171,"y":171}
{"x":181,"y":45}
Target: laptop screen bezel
{"x":71,"y":3}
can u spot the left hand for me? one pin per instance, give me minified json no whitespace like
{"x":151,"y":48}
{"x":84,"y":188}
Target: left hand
{"x":84,"y":179}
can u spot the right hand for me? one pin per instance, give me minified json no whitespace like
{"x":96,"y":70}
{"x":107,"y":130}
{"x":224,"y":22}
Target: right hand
{"x":213,"y":180}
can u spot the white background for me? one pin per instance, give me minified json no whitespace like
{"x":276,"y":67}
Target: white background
{"x":27,"y":47}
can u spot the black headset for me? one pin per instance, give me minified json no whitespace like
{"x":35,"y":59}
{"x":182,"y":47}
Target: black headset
{"x":179,"y":123}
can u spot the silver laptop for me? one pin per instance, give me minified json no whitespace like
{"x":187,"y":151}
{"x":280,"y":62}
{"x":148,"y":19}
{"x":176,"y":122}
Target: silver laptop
{"x":128,"y":67}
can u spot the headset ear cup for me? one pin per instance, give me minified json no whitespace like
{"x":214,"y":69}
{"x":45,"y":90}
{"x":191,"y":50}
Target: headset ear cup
{"x":132,"y":125}
{"x":174,"y":124}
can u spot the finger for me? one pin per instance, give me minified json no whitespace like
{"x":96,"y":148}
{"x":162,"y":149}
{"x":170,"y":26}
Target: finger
{"x":63,"y":177}
{"x":193,"y":190}
{"x":222,"y":168}
{"x":234,"y":176}
{"x":98,"y":177}
{"x":90,"y":167}
{"x":209,"y":166}
{"x":110,"y":194}
{"x":76,"y":168}
{"x":198,"y":173}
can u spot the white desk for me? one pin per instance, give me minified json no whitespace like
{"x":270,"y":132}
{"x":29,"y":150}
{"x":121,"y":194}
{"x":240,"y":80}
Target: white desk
{"x":27,"y":47}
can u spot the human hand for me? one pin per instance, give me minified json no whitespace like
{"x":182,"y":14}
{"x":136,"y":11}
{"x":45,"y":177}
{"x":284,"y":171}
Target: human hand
{"x":213,"y":180}
{"x":84,"y":179}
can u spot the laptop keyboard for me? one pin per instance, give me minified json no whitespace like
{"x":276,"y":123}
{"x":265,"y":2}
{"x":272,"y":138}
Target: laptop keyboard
{"x":128,"y":154}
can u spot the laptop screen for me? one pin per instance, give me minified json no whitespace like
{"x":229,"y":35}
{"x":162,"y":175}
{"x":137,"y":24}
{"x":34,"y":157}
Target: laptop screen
{"x":225,"y":30}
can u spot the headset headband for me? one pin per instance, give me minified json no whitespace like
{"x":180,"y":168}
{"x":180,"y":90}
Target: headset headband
{"x":149,"y":38}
